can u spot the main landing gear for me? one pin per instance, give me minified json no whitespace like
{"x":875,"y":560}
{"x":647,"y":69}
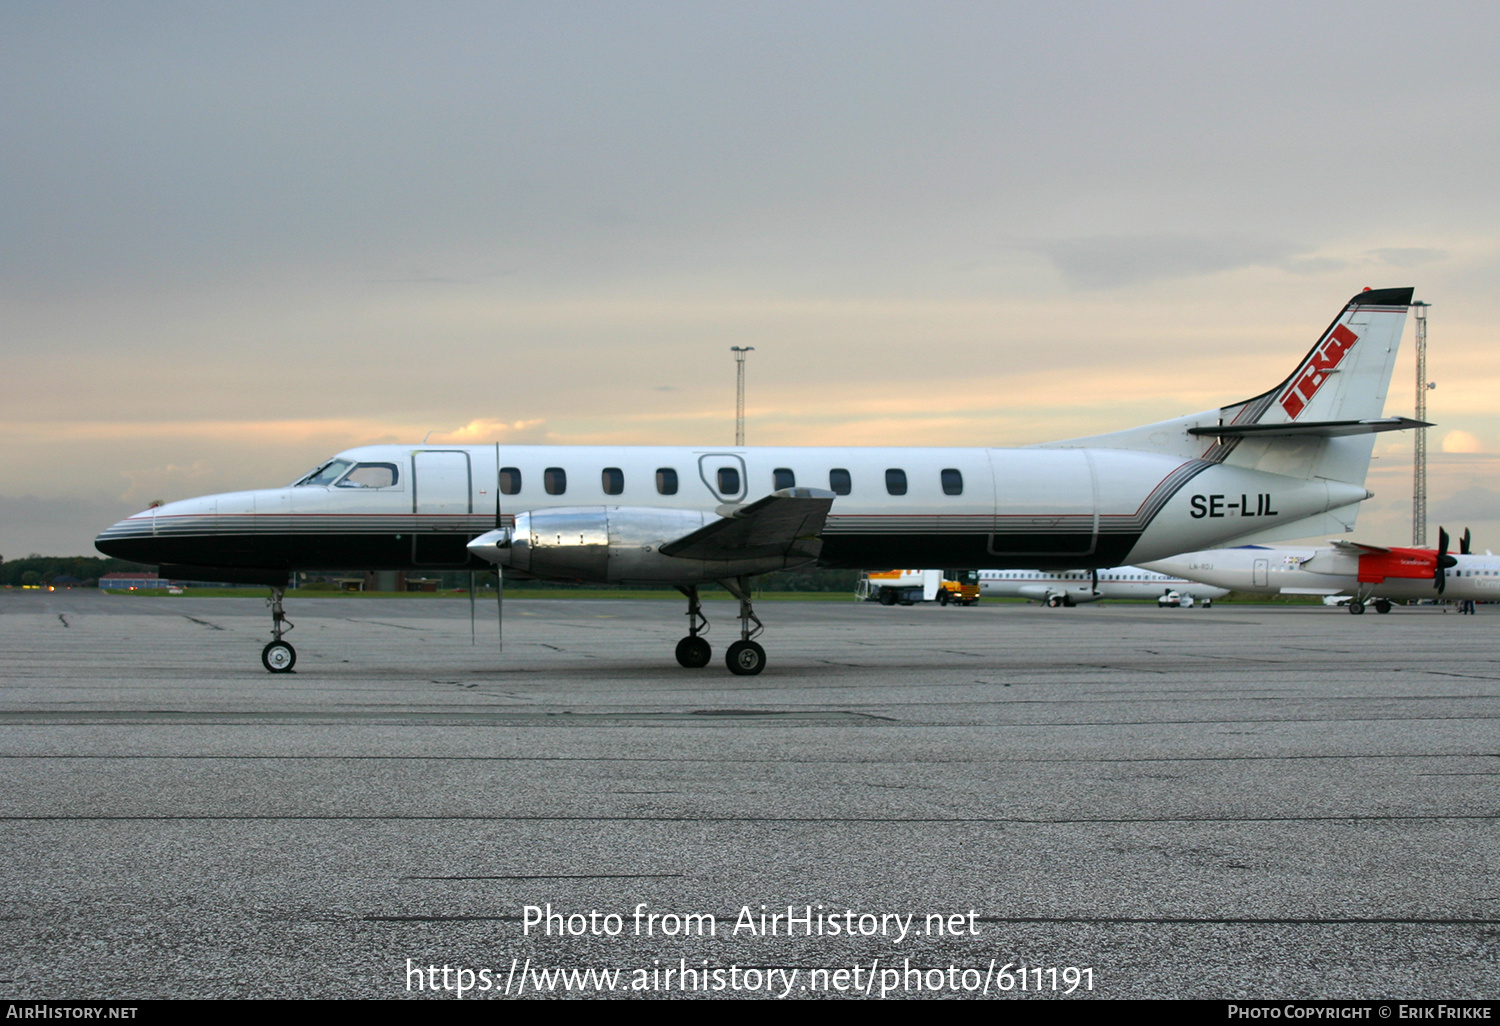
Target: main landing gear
{"x":693,"y":651}
{"x":1357,"y":603}
{"x":745,"y":657}
{"x":278,"y":656}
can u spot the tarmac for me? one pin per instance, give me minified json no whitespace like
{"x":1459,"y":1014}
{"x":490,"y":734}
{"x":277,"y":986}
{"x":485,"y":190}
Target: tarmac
{"x":1236,"y":802}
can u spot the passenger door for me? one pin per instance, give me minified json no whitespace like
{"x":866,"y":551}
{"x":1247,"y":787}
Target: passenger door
{"x":441,"y":498}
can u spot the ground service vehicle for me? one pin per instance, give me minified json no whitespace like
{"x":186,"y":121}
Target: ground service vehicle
{"x":907,"y":587}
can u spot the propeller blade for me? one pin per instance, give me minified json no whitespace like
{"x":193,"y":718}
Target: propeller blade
{"x":1094,"y":580}
{"x":500,"y":573}
{"x":1444,"y":561}
{"x":473,"y":640}
{"x":1463,"y":543}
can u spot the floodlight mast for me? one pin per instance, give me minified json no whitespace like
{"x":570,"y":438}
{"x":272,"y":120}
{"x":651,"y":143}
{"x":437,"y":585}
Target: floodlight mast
{"x":739,"y":392}
{"x":1419,"y":443}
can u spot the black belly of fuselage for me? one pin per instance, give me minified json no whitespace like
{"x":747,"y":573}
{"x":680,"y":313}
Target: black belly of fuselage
{"x":448,"y":551}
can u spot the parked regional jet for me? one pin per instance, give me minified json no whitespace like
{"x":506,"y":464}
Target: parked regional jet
{"x":1286,"y":463}
{"x":1075,"y":587}
{"x":1346,"y":568}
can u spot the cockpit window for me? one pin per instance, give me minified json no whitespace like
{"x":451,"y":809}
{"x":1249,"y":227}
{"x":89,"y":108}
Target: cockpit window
{"x":327,"y":474}
{"x":371,"y":475}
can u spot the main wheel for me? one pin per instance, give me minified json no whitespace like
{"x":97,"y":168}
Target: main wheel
{"x":745,"y":658}
{"x":1382,"y":606}
{"x":278,"y":657}
{"x":694,"y":653}
{"x":1054,"y":601}
{"x":1356,"y":607}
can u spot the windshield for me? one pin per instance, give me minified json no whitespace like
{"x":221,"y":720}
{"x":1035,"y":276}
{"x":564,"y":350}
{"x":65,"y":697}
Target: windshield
{"x":327,"y":474}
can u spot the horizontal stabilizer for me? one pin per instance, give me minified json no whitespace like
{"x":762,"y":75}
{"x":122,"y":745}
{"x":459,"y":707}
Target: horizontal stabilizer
{"x":1313,"y":429}
{"x":787,"y":522}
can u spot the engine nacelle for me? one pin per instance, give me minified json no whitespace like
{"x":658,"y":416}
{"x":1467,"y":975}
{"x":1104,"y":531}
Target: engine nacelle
{"x":612,"y":545}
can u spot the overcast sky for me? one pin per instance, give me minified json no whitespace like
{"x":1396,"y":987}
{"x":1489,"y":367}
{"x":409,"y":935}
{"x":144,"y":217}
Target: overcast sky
{"x":235,"y":238}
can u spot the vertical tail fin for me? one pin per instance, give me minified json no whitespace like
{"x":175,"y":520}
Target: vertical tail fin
{"x":1308,"y":425}
{"x":1344,"y":376}
{"x":1318,"y":423}
{"x":1343,"y":380}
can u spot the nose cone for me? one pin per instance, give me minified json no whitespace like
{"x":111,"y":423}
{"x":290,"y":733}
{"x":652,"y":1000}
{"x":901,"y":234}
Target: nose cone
{"x":150,"y":535}
{"x":1173,"y":565}
{"x":129,"y":538}
{"x":494,"y":546}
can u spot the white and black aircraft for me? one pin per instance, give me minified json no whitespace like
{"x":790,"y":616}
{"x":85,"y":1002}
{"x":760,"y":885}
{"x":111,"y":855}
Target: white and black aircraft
{"x":1286,"y":463}
{"x":1076,"y":587}
{"x":1362,"y":572}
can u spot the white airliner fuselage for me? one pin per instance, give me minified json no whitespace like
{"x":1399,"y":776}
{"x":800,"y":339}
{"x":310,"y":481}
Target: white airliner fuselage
{"x":1075,"y":587}
{"x":1336,"y":570}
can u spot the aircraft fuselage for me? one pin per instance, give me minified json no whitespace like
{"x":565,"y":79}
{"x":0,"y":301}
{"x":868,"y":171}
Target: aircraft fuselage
{"x":416,"y":507}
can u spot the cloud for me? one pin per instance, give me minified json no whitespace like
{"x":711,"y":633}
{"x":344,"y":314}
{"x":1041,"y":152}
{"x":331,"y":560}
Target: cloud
{"x":153,"y":483}
{"x":1314,"y":265}
{"x":1108,"y":262}
{"x":1473,"y":503}
{"x":518,"y":432}
{"x":1408,"y":256}
{"x":1461,"y":441}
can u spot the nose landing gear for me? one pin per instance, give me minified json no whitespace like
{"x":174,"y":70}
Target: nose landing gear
{"x":278,"y":656}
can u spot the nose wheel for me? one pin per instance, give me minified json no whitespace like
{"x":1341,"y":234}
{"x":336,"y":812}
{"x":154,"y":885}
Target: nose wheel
{"x":278,"y":656}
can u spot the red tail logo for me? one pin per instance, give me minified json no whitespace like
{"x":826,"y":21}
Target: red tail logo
{"x":1324,"y":360}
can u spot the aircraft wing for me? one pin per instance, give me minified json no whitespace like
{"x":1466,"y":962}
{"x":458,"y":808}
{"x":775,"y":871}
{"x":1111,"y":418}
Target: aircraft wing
{"x":1358,"y":548}
{"x":788,"y":522}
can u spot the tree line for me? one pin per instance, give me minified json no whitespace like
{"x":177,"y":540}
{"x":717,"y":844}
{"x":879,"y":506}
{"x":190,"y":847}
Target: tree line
{"x":36,"y":569}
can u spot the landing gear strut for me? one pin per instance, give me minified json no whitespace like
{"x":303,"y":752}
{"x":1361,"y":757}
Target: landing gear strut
{"x":745,"y":657}
{"x":693,"y":651}
{"x":278,"y":656}
{"x":1357,"y":603}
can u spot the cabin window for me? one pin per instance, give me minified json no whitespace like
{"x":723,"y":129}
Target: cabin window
{"x":839,"y":482}
{"x":371,"y":475}
{"x":782,"y":477}
{"x":614,"y":480}
{"x":510,"y":481}
{"x":666,"y":481}
{"x":953,"y":482}
{"x":729,"y":481}
{"x":555,"y":480}
{"x":895,"y":481}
